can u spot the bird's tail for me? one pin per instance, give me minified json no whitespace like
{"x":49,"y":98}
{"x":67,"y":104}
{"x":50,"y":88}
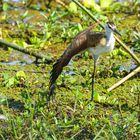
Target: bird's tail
{"x":56,"y":71}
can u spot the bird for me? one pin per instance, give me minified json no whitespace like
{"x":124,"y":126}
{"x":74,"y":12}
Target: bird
{"x":96,"y":42}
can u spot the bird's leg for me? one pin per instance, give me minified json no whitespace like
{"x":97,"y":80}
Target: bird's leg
{"x":53,"y":97}
{"x":51,"y":93}
{"x":93,"y":77}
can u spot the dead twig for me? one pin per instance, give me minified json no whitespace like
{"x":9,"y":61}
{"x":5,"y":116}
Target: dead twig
{"x":135,"y":71}
{"x":23,"y":50}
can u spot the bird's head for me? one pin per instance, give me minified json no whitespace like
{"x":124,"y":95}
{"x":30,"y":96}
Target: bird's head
{"x":111,"y":26}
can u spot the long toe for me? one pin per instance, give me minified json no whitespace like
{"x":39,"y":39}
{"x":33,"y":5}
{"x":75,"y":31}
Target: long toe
{"x":53,"y":97}
{"x":48,"y":99}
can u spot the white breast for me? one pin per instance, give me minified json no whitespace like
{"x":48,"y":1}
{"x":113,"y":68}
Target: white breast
{"x":103,"y":49}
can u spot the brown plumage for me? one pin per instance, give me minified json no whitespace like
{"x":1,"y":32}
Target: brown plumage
{"x":78,"y":44}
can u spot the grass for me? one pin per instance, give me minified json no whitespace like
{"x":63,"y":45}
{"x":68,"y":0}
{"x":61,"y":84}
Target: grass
{"x":72,"y":116}
{"x":113,"y":115}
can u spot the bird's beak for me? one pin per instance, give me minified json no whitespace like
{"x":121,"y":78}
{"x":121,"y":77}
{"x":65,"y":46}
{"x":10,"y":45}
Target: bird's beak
{"x":117,"y":32}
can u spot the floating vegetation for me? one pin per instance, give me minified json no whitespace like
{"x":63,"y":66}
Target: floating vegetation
{"x":47,"y":29}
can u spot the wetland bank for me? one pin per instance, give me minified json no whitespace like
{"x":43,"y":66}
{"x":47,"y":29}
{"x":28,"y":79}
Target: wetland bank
{"x":24,"y":83}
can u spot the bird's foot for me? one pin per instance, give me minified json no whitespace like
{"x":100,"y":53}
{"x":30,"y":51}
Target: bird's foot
{"x":50,"y":95}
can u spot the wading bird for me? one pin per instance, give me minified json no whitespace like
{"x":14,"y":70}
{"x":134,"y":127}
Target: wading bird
{"x":96,"y":42}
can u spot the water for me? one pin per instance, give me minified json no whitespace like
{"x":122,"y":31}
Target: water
{"x":21,"y":59}
{"x":128,"y":68}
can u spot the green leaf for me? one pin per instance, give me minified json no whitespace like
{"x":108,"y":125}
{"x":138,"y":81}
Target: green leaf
{"x":97,"y":97}
{"x":20,"y":74}
{"x":72,"y":80}
{"x":24,"y":15}
{"x":72,"y":7}
{"x":11,"y":82}
{"x":105,"y":3}
{"x":80,"y":27}
{"x":121,"y":52}
{"x":89,"y":3}
{"x":115,"y":6}
{"x":6,"y":76}
{"x":47,"y":35}
{"x":97,"y":8}
{"x":3,"y":100}
{"x":118,"y":52}
{"x":5,"y":6}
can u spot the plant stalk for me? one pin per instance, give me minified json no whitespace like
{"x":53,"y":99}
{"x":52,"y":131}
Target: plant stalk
{"x":135,"y":71}
{"x":23,"y":50}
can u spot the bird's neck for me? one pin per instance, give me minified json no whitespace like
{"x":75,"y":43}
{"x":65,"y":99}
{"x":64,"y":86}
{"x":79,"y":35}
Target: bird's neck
{"x":109,"y":34}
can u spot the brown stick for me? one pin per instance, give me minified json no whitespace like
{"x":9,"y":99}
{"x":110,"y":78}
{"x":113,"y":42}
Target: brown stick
{"x":124,"y":79}
{"x":23,"y":50}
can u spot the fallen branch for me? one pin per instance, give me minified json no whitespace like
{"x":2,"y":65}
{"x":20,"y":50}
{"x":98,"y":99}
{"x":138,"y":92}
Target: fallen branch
{"x":118,"y":40}
{"x":135,"y":71}
{"x":23,"y":50}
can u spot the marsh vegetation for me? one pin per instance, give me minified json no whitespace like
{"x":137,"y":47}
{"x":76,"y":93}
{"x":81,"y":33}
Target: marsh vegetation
{"x":48,"y":28}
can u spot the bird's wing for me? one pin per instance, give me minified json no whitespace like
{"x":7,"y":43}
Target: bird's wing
{"x":96,"y":38}
{"x":78,"y":44}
